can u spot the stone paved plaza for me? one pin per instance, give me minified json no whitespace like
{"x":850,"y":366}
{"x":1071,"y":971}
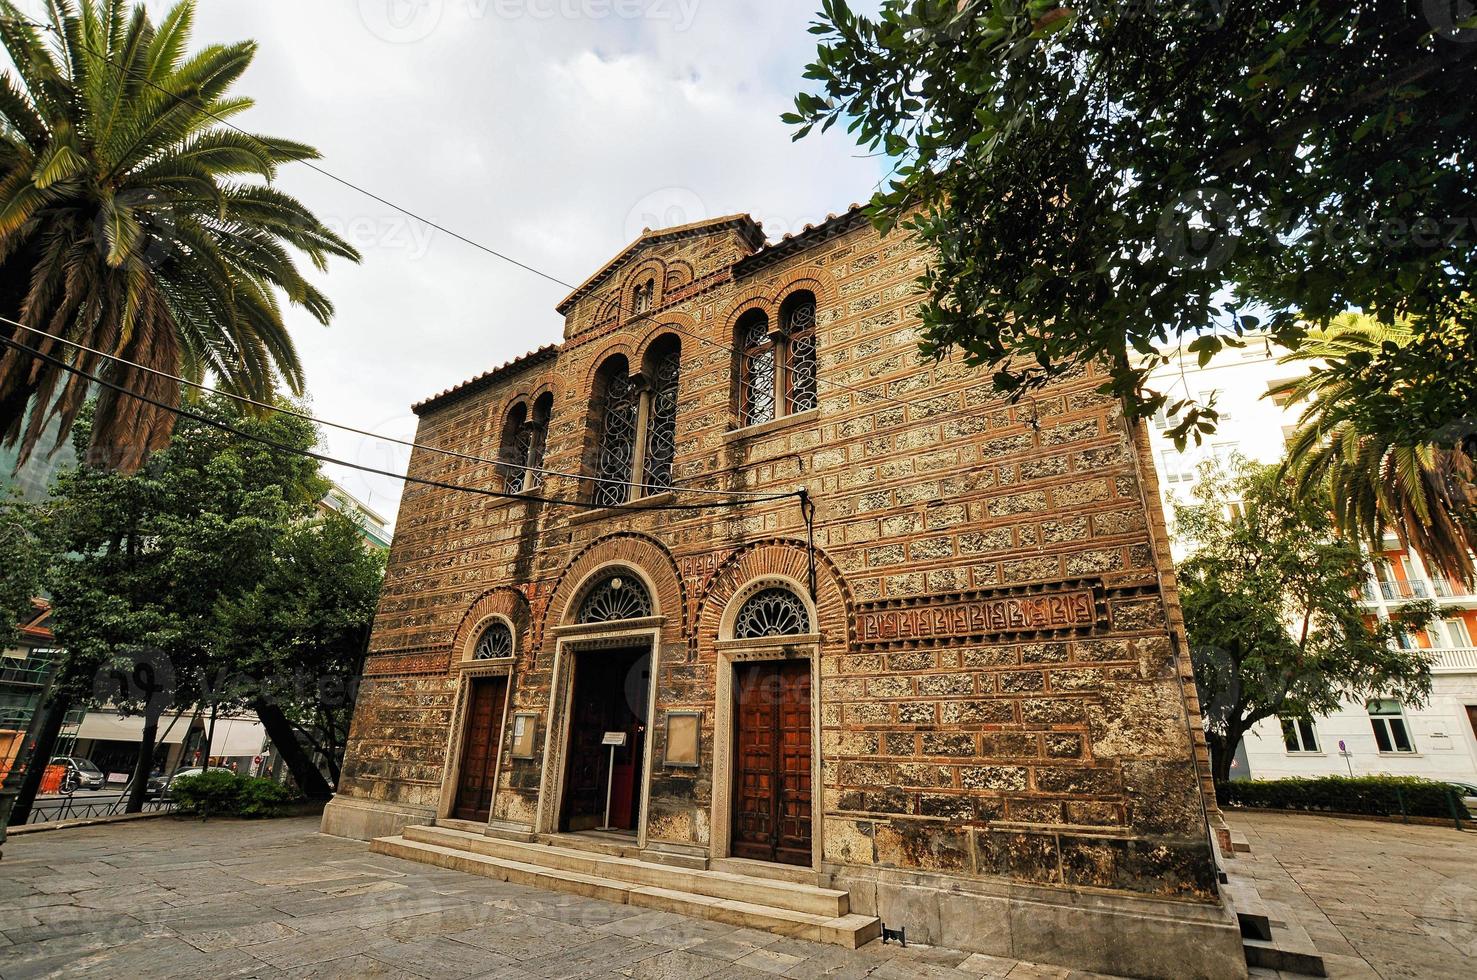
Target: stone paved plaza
{"x":1377,"y":899}
{"x":170,"y":898}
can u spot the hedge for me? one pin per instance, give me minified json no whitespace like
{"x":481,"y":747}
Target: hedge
{"x":227,"y":793}
{"x":1380,"y":796}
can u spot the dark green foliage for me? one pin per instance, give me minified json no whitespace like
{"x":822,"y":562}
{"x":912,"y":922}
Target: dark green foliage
{"x":1270,"y":597}
{"x":1100,"y":179}
{"x":21,"y":564}
{"x":1381,"y":796}
{"x":216,"y":793}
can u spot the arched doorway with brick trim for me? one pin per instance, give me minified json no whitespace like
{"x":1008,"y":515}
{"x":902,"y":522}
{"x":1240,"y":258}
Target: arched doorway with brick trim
{"x":616,"y":613}
{"x":491,"y":639}
{"x":766,"y":637}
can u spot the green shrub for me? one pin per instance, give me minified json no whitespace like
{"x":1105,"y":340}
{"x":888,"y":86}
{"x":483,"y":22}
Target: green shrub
{"x":216,"y":793}
{"x":262,"y":797}
{"x":1381,"y":796}
{"x":212,"y":791}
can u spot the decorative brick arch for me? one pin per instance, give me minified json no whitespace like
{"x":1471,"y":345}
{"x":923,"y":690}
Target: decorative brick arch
{"x":756,"y":300}
{"x":505,"y":602}
{"x":624,"y":344}
{"x":650,"y":267}
{"x":810,"y":277}
{"x":783,"y":559}
{"x":666,"y":324}
{"x":643,"y":555}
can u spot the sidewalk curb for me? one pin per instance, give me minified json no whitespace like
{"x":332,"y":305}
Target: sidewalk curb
{"x":41,"y":828}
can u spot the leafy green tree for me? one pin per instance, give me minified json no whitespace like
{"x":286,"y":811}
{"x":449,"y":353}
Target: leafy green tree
{"x":1352,"y":451}
{"x":304,"y":629}
{"x":21,"y":563}
{"x":1099,"y":180}
{"x":1270,"y":597}
{"x":133,"y":221}
{"x":145,"y":565}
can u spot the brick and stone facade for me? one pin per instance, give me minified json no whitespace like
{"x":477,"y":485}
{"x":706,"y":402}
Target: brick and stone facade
{"x":1007,"y":743}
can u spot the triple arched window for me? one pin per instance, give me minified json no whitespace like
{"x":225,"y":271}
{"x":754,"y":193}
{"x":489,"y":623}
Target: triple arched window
{"x":777,"y":367}
{"x":636,"y":418}
{"x":525,"y":435}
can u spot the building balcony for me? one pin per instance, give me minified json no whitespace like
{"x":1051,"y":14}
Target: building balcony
{"x":1435,"y":587}
{"x":1454,"y":660}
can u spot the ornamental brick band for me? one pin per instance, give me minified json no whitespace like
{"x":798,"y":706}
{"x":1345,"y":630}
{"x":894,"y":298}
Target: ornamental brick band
{"x":979,"y":615}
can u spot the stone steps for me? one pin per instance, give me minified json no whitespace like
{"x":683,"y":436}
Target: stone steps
{"x":614,"y":879}
{"x":827,"y":902}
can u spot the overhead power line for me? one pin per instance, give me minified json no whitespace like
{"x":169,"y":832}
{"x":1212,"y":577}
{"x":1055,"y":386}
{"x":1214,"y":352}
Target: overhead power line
{"x":324,"y":458}
{"x":416,"y":216}
{"x":584,"y":477}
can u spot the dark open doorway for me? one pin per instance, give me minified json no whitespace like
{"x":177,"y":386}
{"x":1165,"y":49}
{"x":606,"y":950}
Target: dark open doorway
{"x":610,"y":695}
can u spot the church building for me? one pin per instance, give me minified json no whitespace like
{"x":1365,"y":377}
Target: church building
{"x":732,"y":604}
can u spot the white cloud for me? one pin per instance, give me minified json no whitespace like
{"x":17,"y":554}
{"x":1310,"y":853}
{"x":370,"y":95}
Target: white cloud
{"x":546,"y":137}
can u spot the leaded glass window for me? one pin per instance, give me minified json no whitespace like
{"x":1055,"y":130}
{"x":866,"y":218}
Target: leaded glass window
{"x":661,"y":426}
{"x":758,"y":370}
{"x":616,"y":597}
{"x":772,"y":612}
{"x":495,"y":643}
{"x":618,"y":442}
{"x":800,"y":331}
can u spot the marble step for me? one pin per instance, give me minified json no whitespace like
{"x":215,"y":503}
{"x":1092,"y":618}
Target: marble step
{"x":850,"y":930}
{"x":725,"y":885}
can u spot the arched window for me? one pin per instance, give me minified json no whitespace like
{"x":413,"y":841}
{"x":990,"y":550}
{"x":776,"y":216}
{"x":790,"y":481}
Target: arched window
{"x":524,"y":437}
{"x":756,"y":373}
{"x":495,"y":643}
{"x":772,"y":612}
{"x":644,"y":297}
{"x":661,"y":426}
{"x":798,"y":317}
{"x":619,"y":595}
{"x":616,"y":463}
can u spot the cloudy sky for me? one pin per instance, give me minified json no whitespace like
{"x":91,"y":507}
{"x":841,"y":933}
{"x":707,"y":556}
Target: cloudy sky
{"x":551,"y":130}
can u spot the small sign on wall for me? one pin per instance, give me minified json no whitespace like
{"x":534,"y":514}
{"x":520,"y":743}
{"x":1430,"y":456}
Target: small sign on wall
{"x":683,"y":738}
{"x":524,"y":726}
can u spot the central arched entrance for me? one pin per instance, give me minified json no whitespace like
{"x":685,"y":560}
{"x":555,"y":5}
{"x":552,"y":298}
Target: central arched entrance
{"x":604,"y":667}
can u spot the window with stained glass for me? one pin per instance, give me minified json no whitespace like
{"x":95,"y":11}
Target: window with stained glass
{"x":661,"y":426}
{"x":618,"y":441}
{"x":771,"y":612}
{"x":800,"y":347}
{"x":617,"y":596}
{"x":495,"y":643}
{"x":758,"y":369}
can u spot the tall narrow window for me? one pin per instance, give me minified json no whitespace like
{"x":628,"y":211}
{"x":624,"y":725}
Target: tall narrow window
{"x":661,"y":425}
{"x":538,"y":441}
{"x":757,"y":370}
{"x":645,"y":296}
{"x":1299,"y":735}
{"x":617,"y":459}
{"x":1387,"y":718}
{"x":513,"y":454}
{"x":799,"y":320}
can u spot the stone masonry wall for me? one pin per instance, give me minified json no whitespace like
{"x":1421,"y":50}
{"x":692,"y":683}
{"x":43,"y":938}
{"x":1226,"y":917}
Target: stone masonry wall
{"x":1067,"y":757}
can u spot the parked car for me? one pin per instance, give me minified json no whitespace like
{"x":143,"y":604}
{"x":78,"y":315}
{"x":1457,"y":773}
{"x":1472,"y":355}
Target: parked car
{"x":80,"y":774}
{"x":158,"y":787}
{"x":1469,"y":795}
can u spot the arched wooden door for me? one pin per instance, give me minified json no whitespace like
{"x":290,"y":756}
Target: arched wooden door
{"x":475,"y":781}
{"x":771,"y":772}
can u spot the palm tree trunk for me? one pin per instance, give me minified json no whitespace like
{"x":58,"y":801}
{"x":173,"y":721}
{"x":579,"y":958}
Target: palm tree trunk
{"x":290,"y":748}
{"x":144,"y":768}
{"x":46,"y":736}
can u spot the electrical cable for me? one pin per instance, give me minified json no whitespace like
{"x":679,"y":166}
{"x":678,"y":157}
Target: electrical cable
{"x":322,"y":458}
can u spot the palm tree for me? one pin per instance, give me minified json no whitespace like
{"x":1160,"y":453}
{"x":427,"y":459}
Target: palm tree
{"x":1377,"y":482}
{"x":134,"y":222}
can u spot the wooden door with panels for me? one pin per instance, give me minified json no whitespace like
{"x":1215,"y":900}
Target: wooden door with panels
{"x":475,"y":779}
{"x":771,"y":762}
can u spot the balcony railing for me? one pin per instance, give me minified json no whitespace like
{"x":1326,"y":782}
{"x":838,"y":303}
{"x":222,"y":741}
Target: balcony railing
{"x":1454,"y":660}
{"x":1435,"y":587}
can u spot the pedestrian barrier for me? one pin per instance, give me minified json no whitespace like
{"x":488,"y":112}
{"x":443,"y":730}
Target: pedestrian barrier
{"x":68,"y":808}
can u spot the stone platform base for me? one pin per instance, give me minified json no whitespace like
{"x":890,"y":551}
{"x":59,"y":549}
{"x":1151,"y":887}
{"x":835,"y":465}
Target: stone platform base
{"x":368,"y":819}
{"x":1096,"y":931}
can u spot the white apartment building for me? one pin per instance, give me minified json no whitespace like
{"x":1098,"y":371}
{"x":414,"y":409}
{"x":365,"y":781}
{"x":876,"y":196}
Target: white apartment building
{"x":1437,"y":740}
